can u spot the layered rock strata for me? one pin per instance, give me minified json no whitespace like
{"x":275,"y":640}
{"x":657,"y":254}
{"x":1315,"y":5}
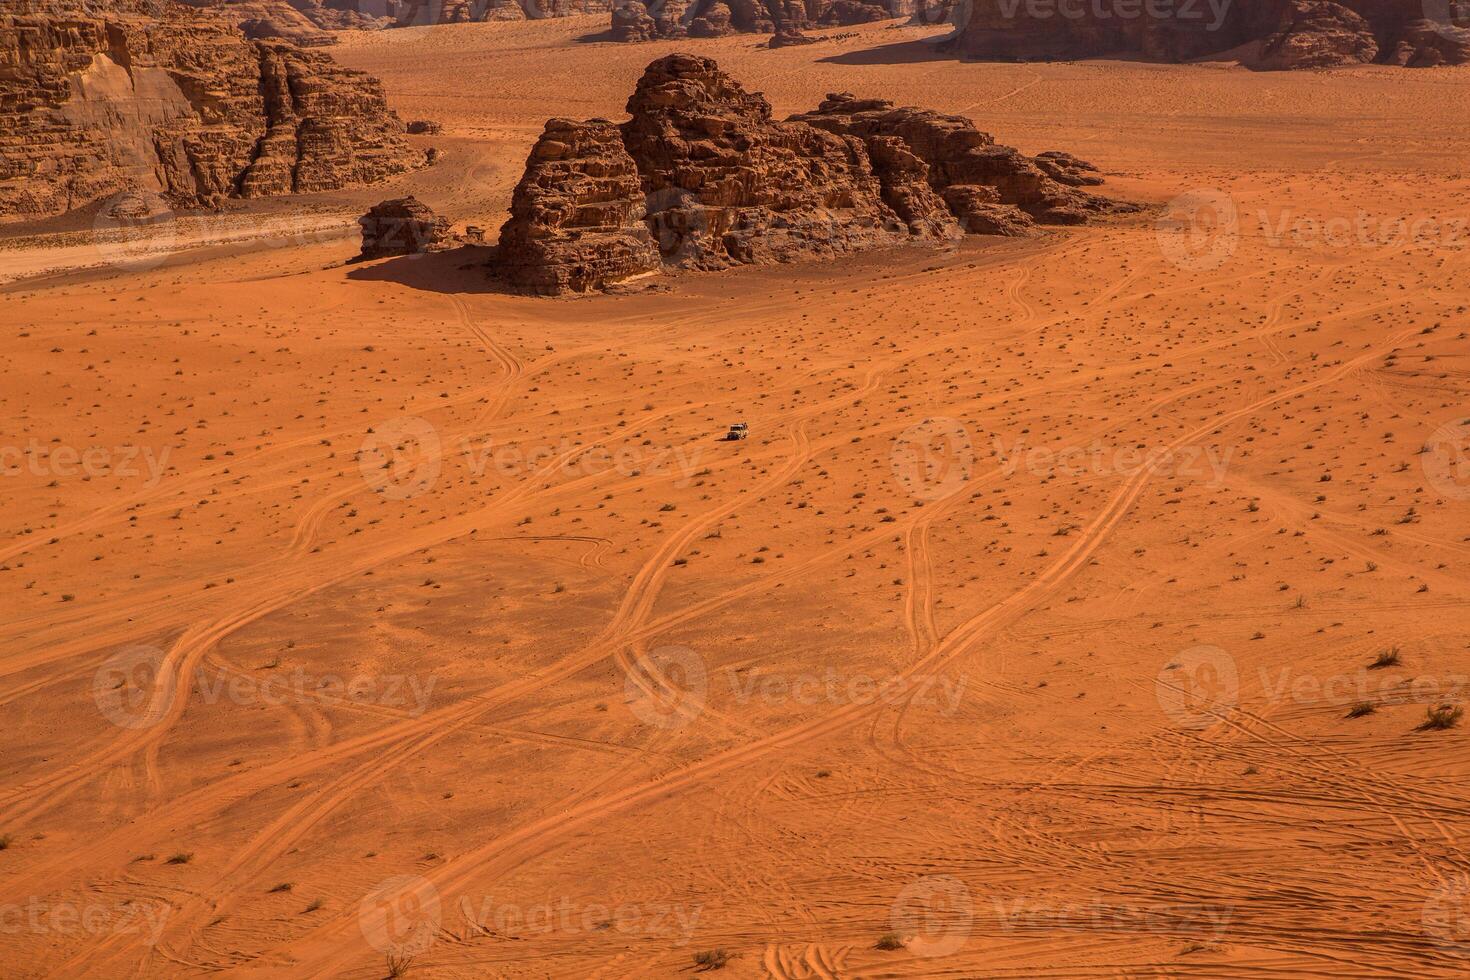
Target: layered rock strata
{"x":701,"y":176}
{"x":1264,"y":34}
{"x":106,"y":96}
{"x":404,"y":226}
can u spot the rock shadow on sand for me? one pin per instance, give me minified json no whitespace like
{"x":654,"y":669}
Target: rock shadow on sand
{"x":467,"y":269}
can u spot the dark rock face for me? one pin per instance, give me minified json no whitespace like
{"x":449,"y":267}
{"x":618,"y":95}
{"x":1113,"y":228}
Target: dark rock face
{"x":1281,"y":34}
{"x":152,"y":96}
{"x":631,"y":22}
{"x":702,"y":177}
{"x":261,"y":19}
{"x":402,"y":227}
{"x":958,"y":154}
{"x":577,"y":216}
{"x":718,"y":18}
{"x":725,"y":184}
{"x":1422,"y":44}
{"x":713,"y":22}
{"x":1318,"y":34}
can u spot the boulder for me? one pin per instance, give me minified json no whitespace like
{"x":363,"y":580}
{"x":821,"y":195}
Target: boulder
{"x":402,"y":227}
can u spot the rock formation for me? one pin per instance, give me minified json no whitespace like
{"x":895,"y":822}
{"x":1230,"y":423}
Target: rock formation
{"x":577,"y":216}
{"x":725,"y":184}
{"x":260,"y":19}
{"x":790,"y":37}
{"x":419,"y":13}
{"x":106,"y":96}
{"x":634,"y":21}
{"x":402,"y":227}
{"x":959,"y":155}
{"x":702,"y":177}
{"x":1264,"y":34}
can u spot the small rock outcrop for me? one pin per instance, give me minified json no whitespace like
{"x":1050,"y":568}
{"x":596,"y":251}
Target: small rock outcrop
{"x":100,"y":97}
{"x":1269,"y":35}
{"x":404,"y":226}
{"x":577,"y":216}
{"x":701,"y":176}
{"x":789,"y":38}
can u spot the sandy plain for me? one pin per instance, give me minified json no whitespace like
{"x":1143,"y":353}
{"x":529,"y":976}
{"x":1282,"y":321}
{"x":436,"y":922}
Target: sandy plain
{"x":361,"y":617}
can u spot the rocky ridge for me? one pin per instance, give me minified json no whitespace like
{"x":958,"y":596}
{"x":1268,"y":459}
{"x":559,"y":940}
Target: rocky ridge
{"x":635,"y":20}
{"x":701,"y":176}
{"x":109,"y":96}
{"x":1263,"y":34}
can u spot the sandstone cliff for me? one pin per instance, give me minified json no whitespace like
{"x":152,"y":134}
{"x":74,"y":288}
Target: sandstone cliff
{"x":577,"y":216}
{"x":1264,"y":34}
{"x":103,"y":96}
{"x":701,"y":176}
{"x":633,"y":20}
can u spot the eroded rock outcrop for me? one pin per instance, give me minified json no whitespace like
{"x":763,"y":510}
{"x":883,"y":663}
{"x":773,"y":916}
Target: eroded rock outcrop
{"x":1264,"y":34}
{"x":725,"y":184}
{"x":577,"y":216}
{"x":701,"y":176}
{"x":1318,"y":34}
{"x":718,"y":18}
{"x":420,"y":13}
{"x":958,"y":154}
{"x":632,"y":22}
{"x":105,"y":96}
{"x":404,"y":226}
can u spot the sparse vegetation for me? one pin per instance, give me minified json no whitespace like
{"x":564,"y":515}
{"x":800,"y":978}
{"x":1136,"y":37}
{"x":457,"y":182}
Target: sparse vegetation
{"x":1361,"y":709}
{"x":398,"y":965}
{"x":711,"y":959}
{"x":889,"y":941}
{"x":1440,"y":717}
{"x":1387,"y":658}
{"x":183,"y":857}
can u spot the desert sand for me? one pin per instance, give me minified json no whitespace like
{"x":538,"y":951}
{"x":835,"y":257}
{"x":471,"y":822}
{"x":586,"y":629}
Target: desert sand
{"x":1075,"y":607}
